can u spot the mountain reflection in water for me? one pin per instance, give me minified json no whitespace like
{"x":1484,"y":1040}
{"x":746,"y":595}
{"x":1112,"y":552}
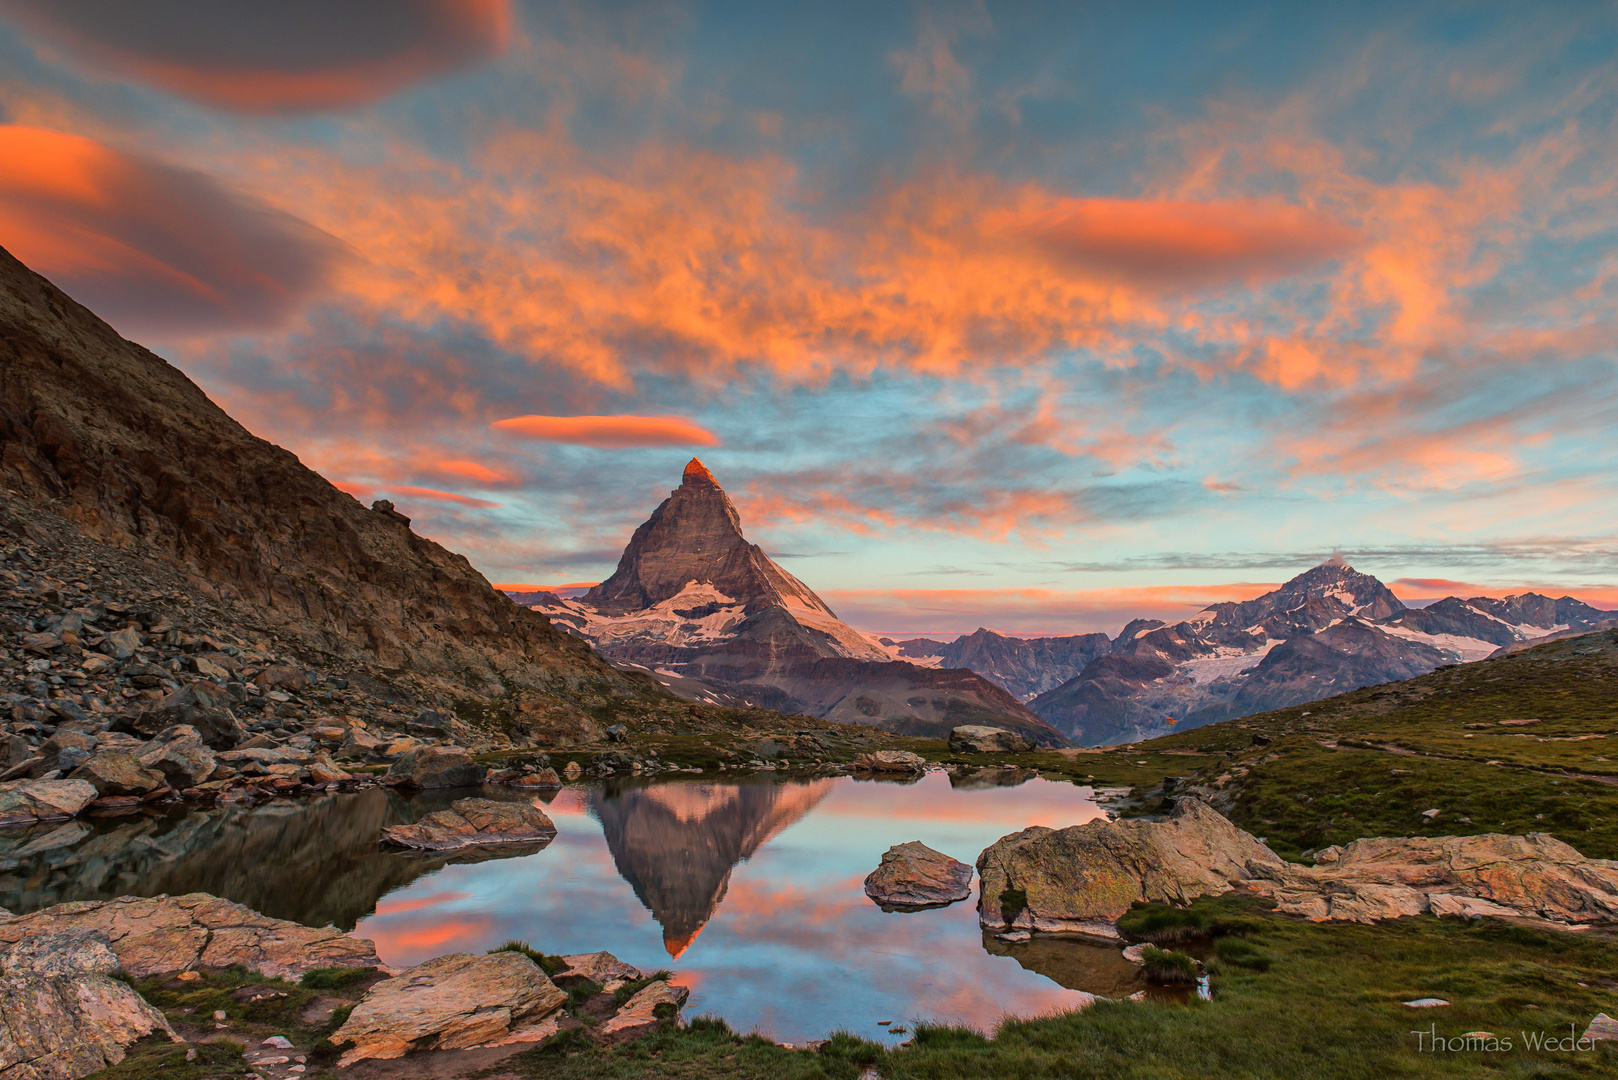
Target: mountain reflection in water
{"x":755,"y":885}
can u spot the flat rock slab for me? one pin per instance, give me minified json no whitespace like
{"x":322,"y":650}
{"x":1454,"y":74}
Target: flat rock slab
{"x":914,"y":876}
{"x":64,"y":1028}
{"x":640,"y":1013}
{"x":474,"y":823}
{"x":1533,"y":876}
{"x":163,"y":934}
{"x":25,"y":801}
{"x":893,"y":761}
{"x":978,"y":739}
{"x":1081,"y":878}
{"x":457,"y":1001}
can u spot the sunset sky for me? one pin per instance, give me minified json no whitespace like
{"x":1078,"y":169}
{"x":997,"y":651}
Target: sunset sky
{"x":1036,"y":317}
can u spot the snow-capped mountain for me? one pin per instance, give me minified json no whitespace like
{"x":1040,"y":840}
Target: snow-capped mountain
{"x":714,"y":618}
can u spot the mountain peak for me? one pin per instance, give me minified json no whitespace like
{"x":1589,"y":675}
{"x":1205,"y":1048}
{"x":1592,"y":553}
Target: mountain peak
{"x":697,"y":473}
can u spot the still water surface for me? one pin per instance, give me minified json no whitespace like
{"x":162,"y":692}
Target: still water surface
{"x":750,"y":891}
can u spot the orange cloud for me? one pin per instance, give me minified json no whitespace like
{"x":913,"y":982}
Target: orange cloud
{"x":471,"y":470}
{"x":150,"y":247}
{"x":1164,"y":242}
{"x":610,"y":431}
{"x":442,"y":496}
{"x":275,"y":58}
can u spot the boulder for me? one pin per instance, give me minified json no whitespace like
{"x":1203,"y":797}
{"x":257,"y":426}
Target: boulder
{"x":114,"y":774}
{"x":323,"y":770}
{"x":180,"y":755}
{"x":121,"y":644}
{"x":544,"y":778}
{"x":457,"y":1001}
{"x":162,"y":934}
{"x":915,"y":876}
{"x":66,"y":1027}
{"x":601,"y":968}
{"x":474,"y":823}
{"x":976,"y":739}
{"x":890,"y":761}
{"x":1467,"y":876}
{"x":23,"y":801}
{"x":436,"y":767}
{"x":573,"y":770}
{"x":202,"y":706}
{"x":1083,"y":877}
{"x":658,"y":1002}
{"x":281,"y":677}
{"x":360,"y":745}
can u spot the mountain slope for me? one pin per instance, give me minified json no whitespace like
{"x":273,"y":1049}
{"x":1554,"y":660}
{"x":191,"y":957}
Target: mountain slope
{"x":1026,"y":667}
{"x":693,"y":602}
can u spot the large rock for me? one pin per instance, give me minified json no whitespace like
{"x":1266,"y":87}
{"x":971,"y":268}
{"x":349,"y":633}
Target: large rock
{"x":114,"y":774}
{"x":68,"y":952}
{"x":202,"y":706}
{"x":650,"y":1006}
{"x":1083,"y":877}
{"x":162,"y":934}
{"x":451,"y":1003}
{"x":474,"y":823}
{"x":913,"y":875}
{"x":23,"y":801}
{"x":180,"y":755}
{"x":66,"y":1027}
{"x":976,"y":739}
{"x":1468,"y":876}
{"x":890,"y":761}
{"x":436,"y":767}
{"x":601,"y":968}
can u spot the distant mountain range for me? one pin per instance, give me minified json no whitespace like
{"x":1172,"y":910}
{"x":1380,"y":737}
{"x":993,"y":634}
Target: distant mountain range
{"x":1327,"y":631}
{"x":715,"y":619}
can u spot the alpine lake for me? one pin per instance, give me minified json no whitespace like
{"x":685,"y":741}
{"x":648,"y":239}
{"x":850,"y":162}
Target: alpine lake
{"x":749,"y":889}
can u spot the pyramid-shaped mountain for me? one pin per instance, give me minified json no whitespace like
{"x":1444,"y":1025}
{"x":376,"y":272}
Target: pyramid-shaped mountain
{"x":710,"y":614}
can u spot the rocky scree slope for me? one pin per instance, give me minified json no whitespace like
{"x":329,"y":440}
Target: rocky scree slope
{"x":709,"y":614}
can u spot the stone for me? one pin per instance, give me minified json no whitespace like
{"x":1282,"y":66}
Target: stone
{"x":66,"y":1027}
{"x":267,"y":755}
{"x":650,"y":1006}
{"x":360,"y":744}
{"x":573,"y":770}
{"x":600,"y":968}
{"x":892,"y":761}
{"x":977,"y":739}
{"x":1535,"y":876}
{"x":1426,"y":1003}
{"x":164,"y":934}
{"x":180,"y":755}
{"x":116,"y":774}
{"x":281,"y":677}
{"x":458,"y":1001}
{"x":473,"y":823}
{"x":201,"y":706}
{"x":544,"y":778}
{"x":1602,"y":1028}
{"x":70,"y":952}
{"x":210,"y":670}
{"x":323,"y":770}
{"x":1083,"y":877}
{"x":436,"y":767}
{"x":121,"y":644}
{"x":23,"y":801}
{"x":914,"y":876}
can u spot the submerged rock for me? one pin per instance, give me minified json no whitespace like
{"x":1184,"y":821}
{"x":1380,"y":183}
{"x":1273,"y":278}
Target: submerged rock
{"x":894,"y":761}
{"x":978,"y":739}
{"x":474,"y":823}
{"x":436,"y":767}
{"x":24,"y":801}
{"x":913,"y":876}
{"x":162,"y":934}
{"x":1535,"y":875}
{"x":458,"y":1001}
{"x":1083,"y":877}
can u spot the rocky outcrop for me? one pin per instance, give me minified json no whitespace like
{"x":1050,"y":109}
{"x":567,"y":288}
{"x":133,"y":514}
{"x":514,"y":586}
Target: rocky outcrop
{"x":452,"y":1003}
{"x":474,"y":823}
{"x":890,"y":761}
{"x":1083,"y":877}
{"x":25,"y":801}
{"x":164,"y":934}
{"x":1469,"y":876}
{"x":914,"y":876}
{"x":977,"y":739}
{"x":660,"y":1002}
{"x":436,"y":767}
